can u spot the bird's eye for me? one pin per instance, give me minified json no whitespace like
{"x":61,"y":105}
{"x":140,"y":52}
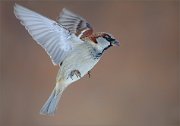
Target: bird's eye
{"x":108,"y":38}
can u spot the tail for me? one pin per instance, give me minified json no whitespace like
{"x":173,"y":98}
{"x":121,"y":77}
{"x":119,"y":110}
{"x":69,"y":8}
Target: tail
{"x":50,"y":106}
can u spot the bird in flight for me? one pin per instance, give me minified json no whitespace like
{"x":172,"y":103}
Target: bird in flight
{"x":70,"y":42}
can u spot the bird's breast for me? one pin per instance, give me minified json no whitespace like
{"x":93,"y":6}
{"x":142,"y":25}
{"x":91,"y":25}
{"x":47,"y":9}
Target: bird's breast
{"x":80,"y":59}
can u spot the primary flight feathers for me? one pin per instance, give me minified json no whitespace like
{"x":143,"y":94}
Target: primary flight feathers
{"x":54,"y":37}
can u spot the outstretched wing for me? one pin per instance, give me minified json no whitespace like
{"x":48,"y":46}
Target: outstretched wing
{"x":46,"y":32}
{"x":75,"y":23}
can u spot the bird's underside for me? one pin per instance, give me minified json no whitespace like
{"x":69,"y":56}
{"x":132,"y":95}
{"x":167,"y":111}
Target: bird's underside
{"x":70,"y":42}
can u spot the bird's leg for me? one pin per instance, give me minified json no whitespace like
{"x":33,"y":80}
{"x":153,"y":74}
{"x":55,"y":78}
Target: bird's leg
{"x":75,"y":72}
{"x":89,"y":74}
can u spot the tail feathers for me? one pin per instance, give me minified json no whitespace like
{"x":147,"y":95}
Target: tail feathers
{"x":50,"y":106}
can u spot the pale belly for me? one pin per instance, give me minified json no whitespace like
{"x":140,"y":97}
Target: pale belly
{"x":83,"y":62}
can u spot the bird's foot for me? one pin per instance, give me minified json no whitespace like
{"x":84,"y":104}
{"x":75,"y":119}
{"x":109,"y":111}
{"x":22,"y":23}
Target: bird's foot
{"x":75,"y":72}
{"x":89,"y":74}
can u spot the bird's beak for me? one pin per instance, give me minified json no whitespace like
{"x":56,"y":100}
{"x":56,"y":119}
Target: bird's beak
{"x":116,"y":43}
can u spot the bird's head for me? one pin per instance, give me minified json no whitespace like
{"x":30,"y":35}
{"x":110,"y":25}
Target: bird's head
{"x":105,"y":40}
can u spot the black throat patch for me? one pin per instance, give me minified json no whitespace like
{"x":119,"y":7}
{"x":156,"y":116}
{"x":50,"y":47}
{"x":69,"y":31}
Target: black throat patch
{"x":107,"y":47}
{"x":98,"y":55}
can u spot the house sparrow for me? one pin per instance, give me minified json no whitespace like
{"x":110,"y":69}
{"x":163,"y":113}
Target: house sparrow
{"x":70,"y":43}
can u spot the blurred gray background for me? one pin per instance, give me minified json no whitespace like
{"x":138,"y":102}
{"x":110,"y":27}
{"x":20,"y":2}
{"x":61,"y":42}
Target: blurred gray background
{"x":133,"y":85}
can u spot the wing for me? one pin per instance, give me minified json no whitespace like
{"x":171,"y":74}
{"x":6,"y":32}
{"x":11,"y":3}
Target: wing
{"x":46,"y":32}
{"x":75,"y":23}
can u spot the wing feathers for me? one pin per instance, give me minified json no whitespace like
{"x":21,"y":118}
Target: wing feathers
{"x":74,"y":23}
{"x":46,"y":32}
{"x":57,"y":39}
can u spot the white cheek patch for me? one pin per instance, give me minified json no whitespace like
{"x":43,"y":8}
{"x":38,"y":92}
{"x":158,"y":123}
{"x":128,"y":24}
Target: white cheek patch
{"x":100,"y":39}
{"x":103,"y":43}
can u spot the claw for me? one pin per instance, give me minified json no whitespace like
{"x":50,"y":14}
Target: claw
{"x":89,"y":74}
{"x":75,"y":72}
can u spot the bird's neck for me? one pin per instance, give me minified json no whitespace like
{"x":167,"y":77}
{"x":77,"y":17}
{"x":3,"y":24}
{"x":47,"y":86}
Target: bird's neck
{"x":94,"y":36}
